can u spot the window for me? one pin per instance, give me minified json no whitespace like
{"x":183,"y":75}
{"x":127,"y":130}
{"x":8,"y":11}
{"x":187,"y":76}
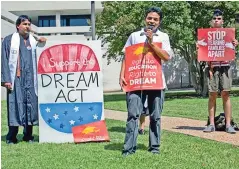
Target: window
{"x":44,"y":34}
{"x":46,"y":21}
{"x":66,"y":33}
{"x":75,"y":20}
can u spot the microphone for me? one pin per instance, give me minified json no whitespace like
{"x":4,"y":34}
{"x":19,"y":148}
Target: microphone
{"x":151,"y":27}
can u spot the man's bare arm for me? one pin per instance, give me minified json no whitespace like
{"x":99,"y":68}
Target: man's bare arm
{"x":122,"y":81}
{"x":162,"y":54}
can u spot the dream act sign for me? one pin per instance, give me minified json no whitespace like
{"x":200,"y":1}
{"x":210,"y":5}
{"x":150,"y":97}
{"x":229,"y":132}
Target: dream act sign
{"x":215,"y":44}
{"x":70,"y":92}
{"x":143,"y":70}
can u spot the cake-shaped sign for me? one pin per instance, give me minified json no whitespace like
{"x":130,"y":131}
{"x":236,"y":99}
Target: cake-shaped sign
{"x":70,"y":91}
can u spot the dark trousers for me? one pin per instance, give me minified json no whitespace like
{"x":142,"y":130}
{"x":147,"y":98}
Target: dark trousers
{"x":13,"y":131}
{"x":135,"y":108}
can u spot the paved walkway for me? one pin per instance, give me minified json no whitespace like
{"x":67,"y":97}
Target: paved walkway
{"x":182,"y":125}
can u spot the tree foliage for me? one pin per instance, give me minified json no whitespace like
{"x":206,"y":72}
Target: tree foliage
{"x":181,"y":19}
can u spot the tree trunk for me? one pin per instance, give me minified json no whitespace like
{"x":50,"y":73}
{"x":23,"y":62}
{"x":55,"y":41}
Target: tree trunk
{"x":197,"y":72}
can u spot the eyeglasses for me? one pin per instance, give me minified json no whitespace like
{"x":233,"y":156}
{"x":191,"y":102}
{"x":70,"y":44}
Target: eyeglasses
{"x":217,"y":19}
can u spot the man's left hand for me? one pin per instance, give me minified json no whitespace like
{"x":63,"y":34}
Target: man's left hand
{"x":42,"y":39}
{"x":235,"y":42}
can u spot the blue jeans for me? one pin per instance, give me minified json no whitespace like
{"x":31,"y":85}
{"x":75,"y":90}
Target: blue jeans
{"x":135,"y":107}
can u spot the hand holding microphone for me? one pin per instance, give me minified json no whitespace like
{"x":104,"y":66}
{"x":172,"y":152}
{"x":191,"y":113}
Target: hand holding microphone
{"x":149,"y":28}
{"x":149,"y":31}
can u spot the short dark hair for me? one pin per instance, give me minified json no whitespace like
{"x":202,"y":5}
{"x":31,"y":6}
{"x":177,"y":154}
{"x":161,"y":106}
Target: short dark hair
{"x":154,"y":9}
{"x":217,"y":12}
{"x":21,"y":19}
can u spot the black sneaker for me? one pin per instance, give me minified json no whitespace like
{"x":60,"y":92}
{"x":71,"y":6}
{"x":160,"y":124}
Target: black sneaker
{"x":155,"y":153}
{"x":141,"y":132}
{"x":125,"y":154}
{"x":9,"y":142}
{"x":29,"y":141}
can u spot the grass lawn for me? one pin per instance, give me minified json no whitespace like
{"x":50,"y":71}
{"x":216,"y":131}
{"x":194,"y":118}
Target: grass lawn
{"x":177,"y":151}
{"x":189,"y":107}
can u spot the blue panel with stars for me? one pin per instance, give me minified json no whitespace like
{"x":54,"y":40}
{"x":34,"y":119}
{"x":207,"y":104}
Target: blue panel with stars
{"x":63,"y":116}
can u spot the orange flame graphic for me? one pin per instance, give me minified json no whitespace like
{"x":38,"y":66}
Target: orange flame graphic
{"x":90,"y":129}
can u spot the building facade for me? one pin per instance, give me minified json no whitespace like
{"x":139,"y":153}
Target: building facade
{"x":61,"y":19}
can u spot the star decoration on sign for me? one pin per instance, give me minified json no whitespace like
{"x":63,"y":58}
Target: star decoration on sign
{"x":62,"y":126}
{"x":65,"y":113}
{"x":91,"y":108}
{"x":80,"y":119}
{"x":76,"y":109}
{"x":48,"y":110}
{"x":63,"y":117}
{"x":56,"y":116}
{"x":95,"y":116}
{"x":72,"y":122}
{"x":49,"y":120}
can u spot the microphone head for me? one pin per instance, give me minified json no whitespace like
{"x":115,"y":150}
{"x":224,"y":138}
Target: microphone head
{"x":151,"y":27}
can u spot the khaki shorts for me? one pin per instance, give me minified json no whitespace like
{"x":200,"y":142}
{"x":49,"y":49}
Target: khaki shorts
{"x":221,"y":79}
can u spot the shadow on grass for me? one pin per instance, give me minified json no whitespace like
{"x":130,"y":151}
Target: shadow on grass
{"x":119,"y":147}
{"x":117,"y":129}
{"x":188,"y":128}
{"x":19,"y":137}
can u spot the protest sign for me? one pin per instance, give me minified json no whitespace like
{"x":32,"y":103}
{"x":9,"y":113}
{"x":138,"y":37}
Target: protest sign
{"x":143,"y":69}
{"x":70,"y":92}
{"x":215,"y":44}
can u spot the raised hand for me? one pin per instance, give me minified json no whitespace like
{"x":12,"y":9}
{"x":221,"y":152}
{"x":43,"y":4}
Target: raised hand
{"x":8,"y":86}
